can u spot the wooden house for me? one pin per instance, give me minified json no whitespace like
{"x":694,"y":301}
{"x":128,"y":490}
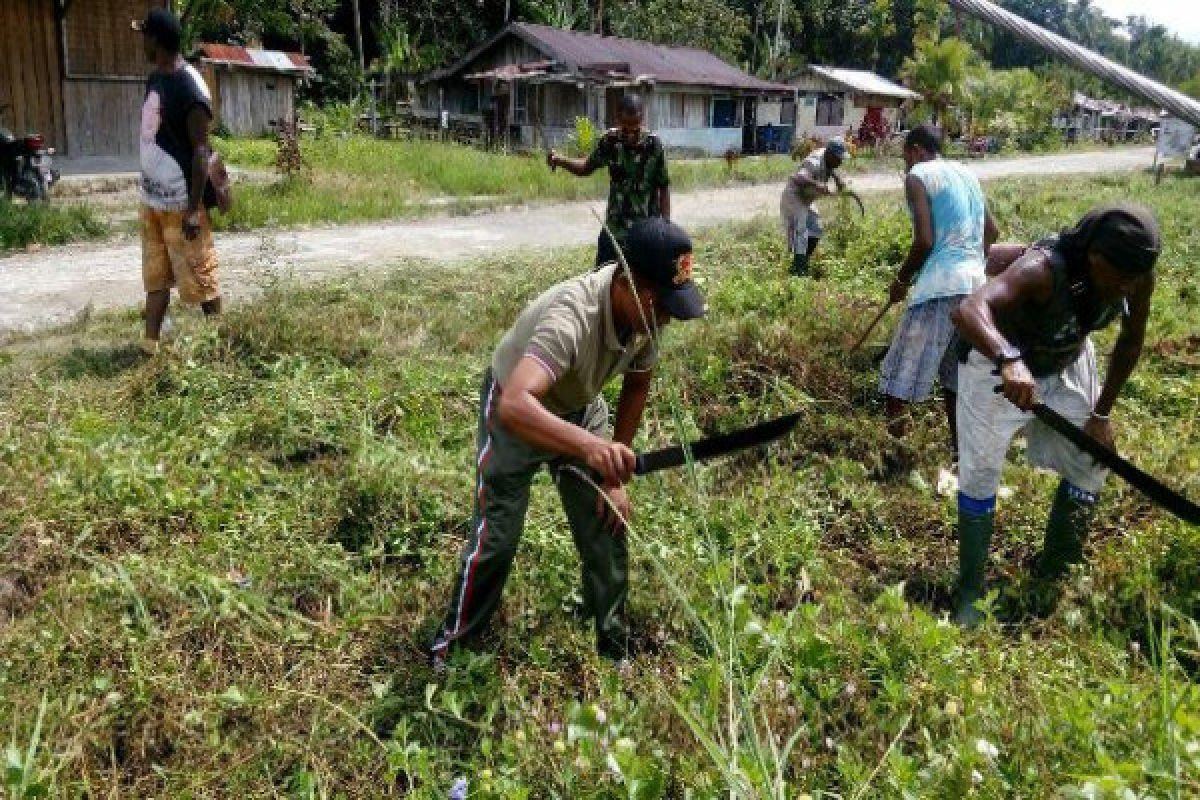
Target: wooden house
{"x":1090,"y":119}
{"x":529,"y":83}
{"x":252,"y":89}
{"x":74,"y":71}
{"x":830,"y":100}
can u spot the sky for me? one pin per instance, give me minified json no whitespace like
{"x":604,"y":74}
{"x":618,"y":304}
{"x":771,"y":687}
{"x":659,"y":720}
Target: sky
{"x":1181,"y":17}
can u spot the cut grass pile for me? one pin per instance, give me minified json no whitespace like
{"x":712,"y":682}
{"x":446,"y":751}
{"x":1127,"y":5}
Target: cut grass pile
{"x":22,"y":225}
{"x":221,"y":567}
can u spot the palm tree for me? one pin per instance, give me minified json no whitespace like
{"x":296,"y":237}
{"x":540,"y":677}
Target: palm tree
{"x":878,"y":27}
{"x":938,"y":71}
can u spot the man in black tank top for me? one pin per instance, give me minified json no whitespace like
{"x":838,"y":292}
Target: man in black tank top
{"x":173,"y":150}
{"x":1030,"y":325}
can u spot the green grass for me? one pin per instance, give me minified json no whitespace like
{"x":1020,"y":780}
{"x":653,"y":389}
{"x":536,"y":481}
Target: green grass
{"x":222,"y":566}
{"x":360,"y":178}
{"x":22,"y":225}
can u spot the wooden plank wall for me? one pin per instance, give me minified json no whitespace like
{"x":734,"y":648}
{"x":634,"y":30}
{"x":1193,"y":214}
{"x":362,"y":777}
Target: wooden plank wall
{"x":103,"y":116}
{"x":106,"y":69}
{"x":30,"y":77}
{"x":99,"y":40}
{"x":251,"y":101}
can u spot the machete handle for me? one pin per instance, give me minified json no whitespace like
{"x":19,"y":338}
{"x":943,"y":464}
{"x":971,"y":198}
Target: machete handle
{"x":999,"y":389}
{"x":640,"y":469}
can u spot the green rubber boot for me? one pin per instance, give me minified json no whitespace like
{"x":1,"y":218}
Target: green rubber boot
{"x":974,"y":538}
{"x":799,"y":265}
{"x":1066,"y":531}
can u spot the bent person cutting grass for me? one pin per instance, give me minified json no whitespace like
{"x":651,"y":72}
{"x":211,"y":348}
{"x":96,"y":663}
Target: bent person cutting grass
{"x":639,"y":187}
{"x":801,"y":222}
{"x":1030,"y":325}
{"x":952,"y":231}
{"x":541,"y":405}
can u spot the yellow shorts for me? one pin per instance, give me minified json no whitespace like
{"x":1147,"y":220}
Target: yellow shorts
{"x":170,"y":259}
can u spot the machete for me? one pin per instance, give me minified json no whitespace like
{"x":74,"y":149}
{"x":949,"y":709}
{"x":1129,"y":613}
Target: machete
{"x":872,"y":326}
{"x":1148,"y":485}
{"x":714,"y":446}
{"x":851,"y":193}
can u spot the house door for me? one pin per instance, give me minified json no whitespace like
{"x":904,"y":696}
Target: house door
{"x":749,"y":129}
{"x":612,"y":101}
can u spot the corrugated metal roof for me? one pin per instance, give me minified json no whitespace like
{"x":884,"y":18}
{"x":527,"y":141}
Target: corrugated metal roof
{"x":865,"y":82}
{"x":1111,"y":109}
{"x":254,"y":58}
{"x":613,"y":57}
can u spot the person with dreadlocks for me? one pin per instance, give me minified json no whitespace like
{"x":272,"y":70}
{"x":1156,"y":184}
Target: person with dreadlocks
{"x":1030,"y":326}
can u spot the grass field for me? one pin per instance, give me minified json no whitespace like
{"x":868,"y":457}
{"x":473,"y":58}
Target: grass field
{"x":220,"y":568}
{"x":360,"y":178}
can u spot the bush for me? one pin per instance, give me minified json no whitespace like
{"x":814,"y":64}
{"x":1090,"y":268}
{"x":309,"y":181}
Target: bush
{"x":22,"y":225}
{"x":334,"y":118}
{"x":583,"y":140}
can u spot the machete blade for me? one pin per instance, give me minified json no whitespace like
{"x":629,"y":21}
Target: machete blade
{"x":715,"y":446}
{"x":1156,"y":490}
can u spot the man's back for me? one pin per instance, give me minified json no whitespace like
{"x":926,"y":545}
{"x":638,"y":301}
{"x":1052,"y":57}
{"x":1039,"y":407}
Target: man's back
{"x":958,"y":210}
{"x":813,"y":167}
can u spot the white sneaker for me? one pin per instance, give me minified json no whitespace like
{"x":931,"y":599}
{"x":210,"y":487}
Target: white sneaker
{"x":947,"y":481}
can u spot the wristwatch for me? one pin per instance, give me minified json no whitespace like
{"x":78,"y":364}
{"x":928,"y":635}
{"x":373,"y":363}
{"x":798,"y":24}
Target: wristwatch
{"x":1007,"y":355}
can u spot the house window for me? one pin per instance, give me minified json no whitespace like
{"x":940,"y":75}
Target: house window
{"x":695,"y":111}
{"x":724,"y":112}
{"x":787,"y":113}
{"x":470,"y":100}
{"x":831,"y":111}
{"x":678,"y":113}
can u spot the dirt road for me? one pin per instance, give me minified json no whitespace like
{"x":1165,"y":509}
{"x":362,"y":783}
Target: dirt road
{"x":54,"y":285}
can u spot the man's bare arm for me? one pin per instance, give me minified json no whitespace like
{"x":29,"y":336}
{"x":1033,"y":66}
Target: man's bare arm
{"x":922,"y":243}
{"x":1028,"y":280}
{"x":580,"y":167}
{"x":805,"y":181}
{"x":991,"y":232}
{"x":197,"y":128}
{"x":631,"y":405}
{"x":1128,"y":349}
{"x":521,"y":411}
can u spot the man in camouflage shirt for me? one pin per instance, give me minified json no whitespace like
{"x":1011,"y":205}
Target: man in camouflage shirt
{"x":637,"y":169}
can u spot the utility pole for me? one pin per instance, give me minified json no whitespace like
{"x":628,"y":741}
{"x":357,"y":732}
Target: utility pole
{"x":507,"y":10}
{"x":600,"y":17}
{"x":362,"y":64}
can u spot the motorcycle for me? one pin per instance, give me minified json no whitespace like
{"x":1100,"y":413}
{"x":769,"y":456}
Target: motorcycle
{"x":25,"y":167}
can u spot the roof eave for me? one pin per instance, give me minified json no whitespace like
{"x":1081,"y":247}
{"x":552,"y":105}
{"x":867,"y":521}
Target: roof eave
{"x":225,"y":62}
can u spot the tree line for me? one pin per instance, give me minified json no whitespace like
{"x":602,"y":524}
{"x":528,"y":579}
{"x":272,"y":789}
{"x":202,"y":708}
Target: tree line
{"x":770,"y":38}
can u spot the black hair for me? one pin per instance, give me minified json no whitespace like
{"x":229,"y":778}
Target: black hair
{"x":163,"y":28}
{"x":168,"y":42}
{"x":631,"y":105}
{"x":1127,"y":236}
{"x":927,"y":137}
